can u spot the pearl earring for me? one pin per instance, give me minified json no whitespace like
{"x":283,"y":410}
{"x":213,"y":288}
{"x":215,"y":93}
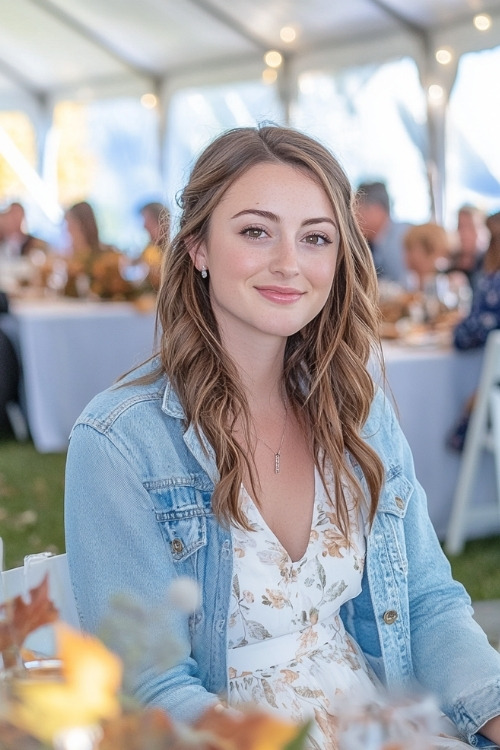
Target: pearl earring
{"x":204,"y":272}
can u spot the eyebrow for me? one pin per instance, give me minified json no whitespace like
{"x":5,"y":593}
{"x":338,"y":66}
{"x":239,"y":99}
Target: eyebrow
{"x":273,"y":217}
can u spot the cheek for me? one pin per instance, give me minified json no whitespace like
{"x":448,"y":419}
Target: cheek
{"x":322,"y":274}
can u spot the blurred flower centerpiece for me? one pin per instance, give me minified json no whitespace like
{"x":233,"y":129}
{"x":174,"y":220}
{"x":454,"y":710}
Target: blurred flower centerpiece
{"x":106,"y":274}
{"x":82,"y":704}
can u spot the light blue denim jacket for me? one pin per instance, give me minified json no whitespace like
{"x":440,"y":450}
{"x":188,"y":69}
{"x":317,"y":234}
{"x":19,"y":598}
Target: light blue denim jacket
{"x":138,"y":514}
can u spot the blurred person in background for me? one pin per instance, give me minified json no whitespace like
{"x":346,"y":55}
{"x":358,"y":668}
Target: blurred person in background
{"x":85,"y":248}
{"x":445,"y":294}
{"x":426,"y":251}
{"x":15,"y":241}
{"x":90,"y":266}
{"x":156,"y":219}
{"x":484,"y":315}
{"x":383,"y":234}
{"x":82,"y":228}
{"x":9,"y":373}
{"x":472,"y":240}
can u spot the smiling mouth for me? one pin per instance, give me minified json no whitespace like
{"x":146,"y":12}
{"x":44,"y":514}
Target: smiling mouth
{"x":279,"y":294}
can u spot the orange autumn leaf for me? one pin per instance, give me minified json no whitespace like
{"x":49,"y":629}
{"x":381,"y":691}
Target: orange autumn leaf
{"x":85,"y":694}
{"x":246,"y":730}
{"x":22,"y":618}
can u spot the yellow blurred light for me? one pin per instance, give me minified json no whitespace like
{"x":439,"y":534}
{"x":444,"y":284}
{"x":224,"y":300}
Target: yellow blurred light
{"x":273,"y":58}
{"x":444,"y":56}
{"x":269,"y":75}
{"x":149,"y":101}
{"x":482,"y":22}
{"x":288,"y":34}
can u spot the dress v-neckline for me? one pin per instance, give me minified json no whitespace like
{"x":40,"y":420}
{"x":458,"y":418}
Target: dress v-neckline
{"x":271,"y":532}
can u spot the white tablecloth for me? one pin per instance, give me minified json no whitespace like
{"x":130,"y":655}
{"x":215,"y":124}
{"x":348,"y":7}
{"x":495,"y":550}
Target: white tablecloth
{"x":70,"y":350}
{"x":429,"y":388}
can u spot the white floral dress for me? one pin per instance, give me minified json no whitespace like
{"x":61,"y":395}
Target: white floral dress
{"x":288,"y":650}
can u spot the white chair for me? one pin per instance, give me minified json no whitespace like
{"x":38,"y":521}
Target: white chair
{"x":483,"y":434}
{"x":18,"y":581}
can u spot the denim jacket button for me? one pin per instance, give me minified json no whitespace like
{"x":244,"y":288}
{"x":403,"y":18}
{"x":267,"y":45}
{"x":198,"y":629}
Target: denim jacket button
{"x":177,"y":546}
{"x":400,"y":503}
{"x":390,"y":616}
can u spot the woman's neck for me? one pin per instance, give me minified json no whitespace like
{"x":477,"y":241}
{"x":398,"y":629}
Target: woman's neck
{"x":261,"y":375}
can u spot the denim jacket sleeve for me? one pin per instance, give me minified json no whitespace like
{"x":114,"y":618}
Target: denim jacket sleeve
{"x":434,"y":639}
{"x":116,"y":545}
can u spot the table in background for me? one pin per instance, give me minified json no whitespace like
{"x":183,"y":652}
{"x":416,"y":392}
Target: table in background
{"x":430,"y":387}
{"x":70,"y":350}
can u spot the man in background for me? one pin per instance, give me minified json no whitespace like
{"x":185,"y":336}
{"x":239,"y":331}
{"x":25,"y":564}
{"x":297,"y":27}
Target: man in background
{"x":472,"y":241}
{"x":15,"y":240}
{"x":384,"y":235}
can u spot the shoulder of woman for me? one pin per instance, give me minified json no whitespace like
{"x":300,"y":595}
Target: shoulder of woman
{"x":381,"y":416}
{"x":138,"y":388}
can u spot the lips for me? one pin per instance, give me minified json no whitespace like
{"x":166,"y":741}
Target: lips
{"x":280,"y":294}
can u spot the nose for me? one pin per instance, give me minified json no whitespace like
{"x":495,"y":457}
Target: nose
{"x":285,"y":259}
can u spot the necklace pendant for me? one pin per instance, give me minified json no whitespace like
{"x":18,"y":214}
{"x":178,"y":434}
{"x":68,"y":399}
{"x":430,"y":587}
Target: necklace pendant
{"x":277,"y":458}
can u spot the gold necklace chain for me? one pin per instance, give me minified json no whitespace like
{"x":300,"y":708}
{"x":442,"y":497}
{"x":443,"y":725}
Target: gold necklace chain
{"x":277,"y":454}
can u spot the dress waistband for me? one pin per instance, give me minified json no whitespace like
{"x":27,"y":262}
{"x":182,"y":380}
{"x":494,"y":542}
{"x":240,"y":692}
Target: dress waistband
{"x":270,"y":652}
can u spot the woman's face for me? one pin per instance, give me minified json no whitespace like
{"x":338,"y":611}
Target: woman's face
{"x":271,"y":253}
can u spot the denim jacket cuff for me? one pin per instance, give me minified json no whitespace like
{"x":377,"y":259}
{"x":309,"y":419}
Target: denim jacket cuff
{"x":474,"y":708}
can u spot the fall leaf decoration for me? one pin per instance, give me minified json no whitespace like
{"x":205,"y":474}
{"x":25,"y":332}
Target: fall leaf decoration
{"x":245,"y":730}
{"x":85,"y":693}
{"x":21,"y":618}
{"x":215,"y":730}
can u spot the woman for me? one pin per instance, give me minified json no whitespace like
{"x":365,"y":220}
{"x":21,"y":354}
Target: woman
{"x":93,"y":266}
{"x":256,"y":455}
{"x":484,"y":316}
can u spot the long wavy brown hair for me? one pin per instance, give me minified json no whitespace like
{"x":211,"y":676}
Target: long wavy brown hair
{"x":325,"y":375}
{"x":84,"y":216}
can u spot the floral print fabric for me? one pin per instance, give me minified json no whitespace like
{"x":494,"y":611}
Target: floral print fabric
{"x":288,"y":650}
{"x":484,"y":316}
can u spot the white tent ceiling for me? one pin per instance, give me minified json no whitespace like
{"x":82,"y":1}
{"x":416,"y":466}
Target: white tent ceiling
{"x":56,"y":48}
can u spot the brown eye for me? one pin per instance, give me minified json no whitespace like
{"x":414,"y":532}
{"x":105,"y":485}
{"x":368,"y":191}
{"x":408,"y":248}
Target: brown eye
{"x":254,"y":233}
{"x":317,"y":239}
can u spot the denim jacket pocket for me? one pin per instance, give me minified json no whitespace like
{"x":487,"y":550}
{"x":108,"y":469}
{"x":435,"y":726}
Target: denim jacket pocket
{"x":181,"y":512}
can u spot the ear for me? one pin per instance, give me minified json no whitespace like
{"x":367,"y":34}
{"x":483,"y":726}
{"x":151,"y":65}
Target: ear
{"x":198,"y":253}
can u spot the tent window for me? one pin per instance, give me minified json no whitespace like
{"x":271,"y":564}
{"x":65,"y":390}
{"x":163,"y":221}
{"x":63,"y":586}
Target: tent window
{"x":373,"y":118}
{"x":196,"y":116}
{"x":108,"y":154}
{"x":473,"y":155}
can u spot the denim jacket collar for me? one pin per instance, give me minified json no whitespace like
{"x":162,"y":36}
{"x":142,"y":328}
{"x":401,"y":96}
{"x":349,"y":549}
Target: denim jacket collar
{"x":199,"y":446}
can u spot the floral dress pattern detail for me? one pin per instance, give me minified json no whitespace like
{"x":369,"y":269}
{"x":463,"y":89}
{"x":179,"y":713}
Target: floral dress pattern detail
{"x":287,"y":648}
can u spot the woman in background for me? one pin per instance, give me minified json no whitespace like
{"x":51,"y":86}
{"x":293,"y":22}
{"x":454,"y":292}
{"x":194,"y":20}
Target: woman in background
{"x":484,"y":315}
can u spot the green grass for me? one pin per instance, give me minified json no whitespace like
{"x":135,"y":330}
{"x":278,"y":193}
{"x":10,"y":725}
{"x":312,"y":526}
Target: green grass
{"x":478,"y":568}
{"x":31,"y":518}
{"x":31,"y":501}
